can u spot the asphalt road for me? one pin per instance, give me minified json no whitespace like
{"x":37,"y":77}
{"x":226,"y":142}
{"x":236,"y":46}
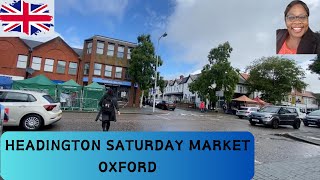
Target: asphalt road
{"x":269,"y":146}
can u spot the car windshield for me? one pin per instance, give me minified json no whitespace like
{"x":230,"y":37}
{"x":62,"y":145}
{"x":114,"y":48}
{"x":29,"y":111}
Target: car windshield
{"x":270,"y":109}
{"x":315,"y":113}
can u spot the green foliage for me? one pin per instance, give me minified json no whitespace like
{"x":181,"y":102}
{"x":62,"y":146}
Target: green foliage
{"x":161,"y":84}
{"x":142,"y":63}
{"x":315,"y":66}
{"x":220,"y":72}
{"x":275,"y":77}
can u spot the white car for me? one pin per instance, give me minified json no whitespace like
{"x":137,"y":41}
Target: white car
{"x":244,"y":112}
{"x":29,"y":110}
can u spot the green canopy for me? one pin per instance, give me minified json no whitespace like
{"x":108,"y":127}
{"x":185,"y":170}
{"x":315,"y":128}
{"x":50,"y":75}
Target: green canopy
{"x":69,"y":94}
{"x":92,"y":95}
{"x":39,"y":83}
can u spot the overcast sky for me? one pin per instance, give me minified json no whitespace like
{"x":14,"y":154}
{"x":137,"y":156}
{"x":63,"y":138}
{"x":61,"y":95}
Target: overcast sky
{"x":193,"y":26}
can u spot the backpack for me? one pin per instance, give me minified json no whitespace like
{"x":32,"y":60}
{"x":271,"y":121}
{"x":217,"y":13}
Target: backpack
{"x":107,"y":105}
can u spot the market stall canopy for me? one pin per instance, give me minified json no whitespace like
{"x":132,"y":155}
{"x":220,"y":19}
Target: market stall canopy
{"x":92,"y":95}
{"x":244,"y":99}
{"x":71,"y":84}
{"x":39,"y":83}
{"x":260,"y":101}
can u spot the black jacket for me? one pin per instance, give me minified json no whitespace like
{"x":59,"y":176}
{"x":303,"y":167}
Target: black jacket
{"x":112,"y":116}
{"x":309,"y":44}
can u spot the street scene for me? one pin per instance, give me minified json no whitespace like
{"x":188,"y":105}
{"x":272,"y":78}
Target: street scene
{"x":284,"y":153}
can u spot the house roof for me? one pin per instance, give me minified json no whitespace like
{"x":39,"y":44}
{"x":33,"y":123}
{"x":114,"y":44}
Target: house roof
{"x":194,"y":77}
{"x":33,"y":44}
{"x":305,"y":94}
{"x":245,"y":76}
{"x":184,"y":80}
{"x":113,"y":39}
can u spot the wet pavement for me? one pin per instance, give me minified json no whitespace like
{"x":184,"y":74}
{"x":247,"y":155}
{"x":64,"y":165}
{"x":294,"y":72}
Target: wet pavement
{"x":270,"y":144}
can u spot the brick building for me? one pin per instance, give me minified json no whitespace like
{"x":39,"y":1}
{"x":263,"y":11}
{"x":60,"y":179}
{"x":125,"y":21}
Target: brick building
{"x":105,"y":61}
{"x":21,"y":58}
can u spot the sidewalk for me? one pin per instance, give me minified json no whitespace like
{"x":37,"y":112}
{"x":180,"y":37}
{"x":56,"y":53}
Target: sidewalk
{"x":294,"y":170}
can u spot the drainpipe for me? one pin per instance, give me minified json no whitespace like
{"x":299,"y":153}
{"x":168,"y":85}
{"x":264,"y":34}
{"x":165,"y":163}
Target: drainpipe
{"x":28,"y":62}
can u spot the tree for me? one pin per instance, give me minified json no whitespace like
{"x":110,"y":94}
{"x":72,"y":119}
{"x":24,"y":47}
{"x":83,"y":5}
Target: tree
{"x":275,"y":77}
{"x":220,"y":72}
{"x":317,"y":98}
{"x":142,"y":64}
{"x":315,"y":66}
{"x":161,"y":83}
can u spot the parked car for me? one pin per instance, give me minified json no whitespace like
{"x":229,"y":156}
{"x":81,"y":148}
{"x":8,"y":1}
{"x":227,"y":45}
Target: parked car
{"x":275,"y":116}
{"x":157,"y":101}
{"x":29,"y":110}
{"x":166,"y":105}
{"x":244,"y":112}
{"x":312,"y":118}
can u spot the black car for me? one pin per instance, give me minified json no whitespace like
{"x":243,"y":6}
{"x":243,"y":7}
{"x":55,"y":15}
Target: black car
{"x":312,"y":118}
{"x":276,"y":115}
{"x":166,"y":105}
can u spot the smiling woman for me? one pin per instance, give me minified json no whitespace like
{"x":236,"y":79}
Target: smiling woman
{"x":298,"y":38}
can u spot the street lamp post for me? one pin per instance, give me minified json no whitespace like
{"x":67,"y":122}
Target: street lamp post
{"x":156,"y":73}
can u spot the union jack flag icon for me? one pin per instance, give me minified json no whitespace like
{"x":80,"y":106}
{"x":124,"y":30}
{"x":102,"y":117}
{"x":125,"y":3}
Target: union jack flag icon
{"x":21,"y":16}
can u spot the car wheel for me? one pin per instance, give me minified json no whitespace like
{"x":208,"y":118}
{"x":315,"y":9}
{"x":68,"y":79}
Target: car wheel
{"x":31,"y":122}
{"x":275,"y":124}
{"x":252,"y":123}
{"x":173,"y":109}
{"x":296,"y":125}
{"x":306,"y":124}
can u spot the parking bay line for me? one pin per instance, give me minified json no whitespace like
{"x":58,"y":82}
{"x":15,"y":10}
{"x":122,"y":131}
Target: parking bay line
{"x":163,"y":117}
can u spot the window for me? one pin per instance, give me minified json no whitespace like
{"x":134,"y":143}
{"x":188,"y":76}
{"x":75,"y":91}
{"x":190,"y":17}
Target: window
{"x":61,"y":67}
{"x":22,"y":61}
{"x":73,"y":68}
{"x":49,"y":98}
{"x":100,"y":47}
{"x":16,"y":97}
{"x":108,"y":71}
{"x":110,"y":49}
{"x":129,"y":53}
{"x":118,"y":72}
{"x":120,"y":51}
{"x":97,"y":69}
{"x":36,"y":63}
{"x":86,"y":68}
{"x":89,"y":47}
{"x":48,"y":66}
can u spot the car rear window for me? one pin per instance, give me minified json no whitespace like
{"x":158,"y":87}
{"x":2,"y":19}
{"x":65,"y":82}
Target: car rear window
{"x":49,"y":98}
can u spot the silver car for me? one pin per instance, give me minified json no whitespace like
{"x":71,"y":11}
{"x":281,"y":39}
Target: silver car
{"x":244,"y":112}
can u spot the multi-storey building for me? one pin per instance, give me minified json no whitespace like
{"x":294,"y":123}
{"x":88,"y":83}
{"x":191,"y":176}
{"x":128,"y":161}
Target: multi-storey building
{"x":106,"y":61}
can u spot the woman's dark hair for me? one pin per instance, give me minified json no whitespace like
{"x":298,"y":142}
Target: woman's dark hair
{"x":295,"y":2}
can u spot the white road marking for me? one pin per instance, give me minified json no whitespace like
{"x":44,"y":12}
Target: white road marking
{"x":257,"y":162}
{"x":163,"y":117}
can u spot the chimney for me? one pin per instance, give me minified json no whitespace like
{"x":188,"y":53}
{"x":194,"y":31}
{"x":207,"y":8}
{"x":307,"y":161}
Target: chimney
{"x":181,"y":77}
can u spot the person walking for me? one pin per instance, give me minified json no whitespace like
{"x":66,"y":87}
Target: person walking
{"x":108,"y":105}
{"x":202,"y":106}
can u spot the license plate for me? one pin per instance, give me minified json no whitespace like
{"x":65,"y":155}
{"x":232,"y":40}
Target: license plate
{"x":255,"y":120}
